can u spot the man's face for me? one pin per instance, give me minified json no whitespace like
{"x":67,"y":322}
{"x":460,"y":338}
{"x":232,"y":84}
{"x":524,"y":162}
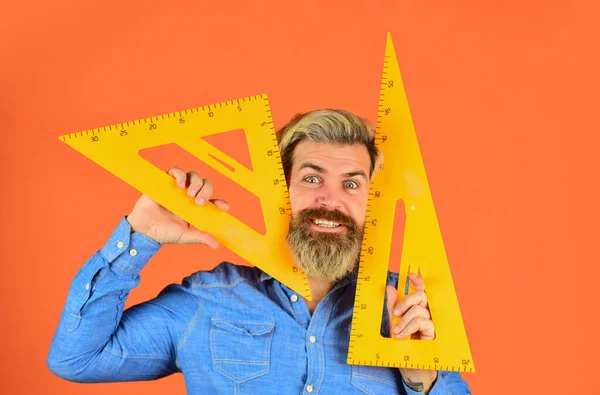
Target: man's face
{"x":329,"y":187}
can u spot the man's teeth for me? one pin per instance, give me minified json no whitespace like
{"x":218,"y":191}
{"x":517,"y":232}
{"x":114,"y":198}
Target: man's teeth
{"x":326,"y":224}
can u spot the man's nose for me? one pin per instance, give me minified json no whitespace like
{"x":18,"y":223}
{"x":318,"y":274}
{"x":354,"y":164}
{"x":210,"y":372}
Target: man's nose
{"x":329,"y":197}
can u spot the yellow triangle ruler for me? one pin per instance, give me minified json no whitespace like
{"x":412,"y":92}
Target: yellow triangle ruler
{"x":403,"y":177}
{"x":116,"y":148}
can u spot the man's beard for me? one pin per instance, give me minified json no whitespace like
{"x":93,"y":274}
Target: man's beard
{"x":325,"y":255}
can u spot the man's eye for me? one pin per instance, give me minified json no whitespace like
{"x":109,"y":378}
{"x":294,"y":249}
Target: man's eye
{"x":352,"y":184}
{"x":311,"y":179}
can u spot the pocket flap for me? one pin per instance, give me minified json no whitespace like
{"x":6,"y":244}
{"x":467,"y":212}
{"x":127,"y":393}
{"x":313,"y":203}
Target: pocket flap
{"x":244,"y":328}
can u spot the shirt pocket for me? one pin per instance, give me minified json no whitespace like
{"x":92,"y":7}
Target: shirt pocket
{"x":241,"y":350}
{"x":374,"y":380}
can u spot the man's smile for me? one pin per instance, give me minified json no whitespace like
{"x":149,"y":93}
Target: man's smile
{"x":323,"y":225}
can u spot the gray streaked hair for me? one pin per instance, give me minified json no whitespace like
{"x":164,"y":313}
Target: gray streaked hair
{"x":331,"y":126}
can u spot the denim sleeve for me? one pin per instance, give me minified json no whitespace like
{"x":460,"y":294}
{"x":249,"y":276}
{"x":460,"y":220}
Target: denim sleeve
{"x":97,"y":340}
{"x":447,"y":383}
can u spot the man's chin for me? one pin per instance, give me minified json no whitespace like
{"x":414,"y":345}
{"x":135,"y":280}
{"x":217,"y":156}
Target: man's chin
{"x":331,"y":266}
{"x":327,"y":274}
{"x":322,"y":254}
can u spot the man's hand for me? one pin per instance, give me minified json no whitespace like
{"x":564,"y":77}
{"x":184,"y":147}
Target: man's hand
{"x":415,"y":323}
{"x":161,"y":225}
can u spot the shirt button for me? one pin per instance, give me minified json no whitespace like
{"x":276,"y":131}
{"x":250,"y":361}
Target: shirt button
{"x":120,"y":244}
{"x":87,"y":286}
{"x":309,"y":388}
{"x":313,"y":339}
{"x":294,"y":298}
{"x":133,"y":252}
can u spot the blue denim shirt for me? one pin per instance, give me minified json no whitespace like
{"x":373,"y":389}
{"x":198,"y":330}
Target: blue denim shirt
{"x":230,"y":330}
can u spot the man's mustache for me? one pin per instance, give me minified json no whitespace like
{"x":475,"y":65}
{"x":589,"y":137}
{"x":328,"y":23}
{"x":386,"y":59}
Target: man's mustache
{"x":327,"y":215}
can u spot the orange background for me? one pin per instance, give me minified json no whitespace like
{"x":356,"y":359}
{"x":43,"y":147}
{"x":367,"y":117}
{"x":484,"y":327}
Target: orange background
{"x":503,"y":96}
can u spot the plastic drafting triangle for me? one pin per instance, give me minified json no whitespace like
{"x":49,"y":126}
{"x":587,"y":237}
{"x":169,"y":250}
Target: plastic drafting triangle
{"x":403,"y":177}
{"x":116,"y":148}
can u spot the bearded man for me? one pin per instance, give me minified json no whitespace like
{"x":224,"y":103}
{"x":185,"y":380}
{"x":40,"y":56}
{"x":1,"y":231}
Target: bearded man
{"x":235,"y":329}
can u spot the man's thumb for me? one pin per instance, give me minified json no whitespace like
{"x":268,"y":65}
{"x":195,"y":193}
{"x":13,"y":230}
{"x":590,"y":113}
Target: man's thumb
{"x":392,"y":298}
{"x":194,"y":236}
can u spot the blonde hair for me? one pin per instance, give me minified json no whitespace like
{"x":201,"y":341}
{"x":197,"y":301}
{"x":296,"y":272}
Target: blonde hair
{"x":337,"y":127}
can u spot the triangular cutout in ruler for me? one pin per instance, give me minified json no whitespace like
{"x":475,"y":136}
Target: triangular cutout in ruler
{"x":244,"y":205}
{"x":233,"y":144}
{"x":116,"y":148}
{"x":403,"y":177}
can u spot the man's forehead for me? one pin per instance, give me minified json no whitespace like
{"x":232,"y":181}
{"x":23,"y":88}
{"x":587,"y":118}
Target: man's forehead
{"x":324,"y":157}
{"x":313,"y":150}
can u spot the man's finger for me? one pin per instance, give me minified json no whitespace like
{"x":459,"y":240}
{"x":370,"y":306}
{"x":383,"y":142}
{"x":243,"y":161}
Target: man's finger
{"x":205,"y":192}
{"x":415,"y":311}
{"x":195,"y":183}
{"x":179,"y":176}
{"x":392,"y":297}
{"x":419,"y":325}
{"x":417,"y":281}
{"x":220,"y":203}
{"x":416,"y":298}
